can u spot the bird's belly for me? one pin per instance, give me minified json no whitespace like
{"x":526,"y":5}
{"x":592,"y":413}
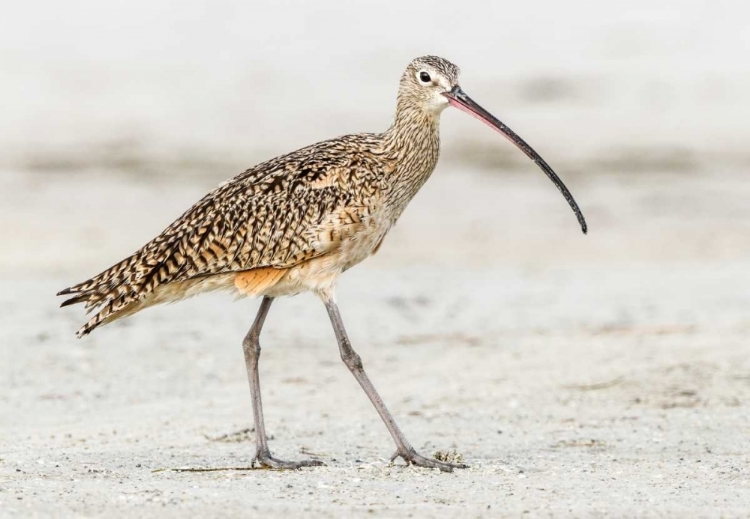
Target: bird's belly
{"x":320,"y":274}
{"x":362,"y":245}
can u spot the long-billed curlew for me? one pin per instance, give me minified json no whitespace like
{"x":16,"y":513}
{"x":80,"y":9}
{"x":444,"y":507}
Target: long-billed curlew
{"x":294,"y":224}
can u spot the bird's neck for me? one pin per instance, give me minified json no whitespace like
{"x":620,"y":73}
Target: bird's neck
{"x":413,"y":144}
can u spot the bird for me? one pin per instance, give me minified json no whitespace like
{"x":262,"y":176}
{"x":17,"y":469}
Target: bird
{"x":294,"y":224}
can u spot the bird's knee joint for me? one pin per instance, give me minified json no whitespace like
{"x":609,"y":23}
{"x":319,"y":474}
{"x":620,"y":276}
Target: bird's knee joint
{"x":352,"y":360}
{"x":251,"y":345}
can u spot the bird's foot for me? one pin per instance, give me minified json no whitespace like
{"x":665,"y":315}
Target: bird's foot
{"x":411,"y":457}
{"x":266,"y":461}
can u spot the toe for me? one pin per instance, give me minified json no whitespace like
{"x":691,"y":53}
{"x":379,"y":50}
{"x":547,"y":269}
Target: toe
{"x":413,"y":458}
{"x":270,"y":462}
{"x":311,"y":463}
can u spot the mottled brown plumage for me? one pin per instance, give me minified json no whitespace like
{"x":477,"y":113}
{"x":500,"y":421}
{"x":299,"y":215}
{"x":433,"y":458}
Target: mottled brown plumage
{"x":295,"y":223}
{"x":336,"y":198}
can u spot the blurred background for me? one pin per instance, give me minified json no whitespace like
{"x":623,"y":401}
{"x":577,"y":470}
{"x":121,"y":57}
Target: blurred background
{"x":123,"y":113}
{"x":117,"y":116}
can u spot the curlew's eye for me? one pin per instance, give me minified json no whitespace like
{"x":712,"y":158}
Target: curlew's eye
{"x":424,"y":77}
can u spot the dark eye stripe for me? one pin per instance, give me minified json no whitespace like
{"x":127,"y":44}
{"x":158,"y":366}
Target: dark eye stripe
{"x":424,"y":77}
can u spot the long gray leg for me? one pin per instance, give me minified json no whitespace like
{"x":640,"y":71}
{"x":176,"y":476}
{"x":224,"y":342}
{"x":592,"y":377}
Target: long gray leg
{"x":354,"y":363}
{"x":251,"y":347}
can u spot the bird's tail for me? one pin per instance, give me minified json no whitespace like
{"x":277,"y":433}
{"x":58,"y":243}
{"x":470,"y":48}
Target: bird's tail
{"x":112,"y":294}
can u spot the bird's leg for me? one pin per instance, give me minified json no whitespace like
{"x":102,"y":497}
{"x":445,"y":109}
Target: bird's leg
{"x":251,"y":347}
{"x":354,"y":363}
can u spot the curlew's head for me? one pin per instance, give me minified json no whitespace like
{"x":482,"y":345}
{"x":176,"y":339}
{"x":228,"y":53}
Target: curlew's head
{"x":430,"y":84}
{"x":425,"y":81}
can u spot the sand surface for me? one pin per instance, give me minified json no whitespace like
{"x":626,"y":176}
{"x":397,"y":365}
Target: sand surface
{"x":605,"y":375}
{"x":609,"y":376}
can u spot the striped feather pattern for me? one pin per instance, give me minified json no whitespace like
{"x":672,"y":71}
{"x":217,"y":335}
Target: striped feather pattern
{"x":280,"y":214}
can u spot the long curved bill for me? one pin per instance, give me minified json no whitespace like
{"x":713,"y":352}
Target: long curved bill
{"x":459,"y":99}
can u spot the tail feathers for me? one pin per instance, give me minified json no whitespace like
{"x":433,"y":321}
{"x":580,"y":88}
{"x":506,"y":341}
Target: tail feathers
{"x":73,"y":300}
{"x":111,"y":311}
{"x":111,"y":277}
{"x":116,"y":291}
{"x":114,"y":301}
{"x":96,"y":321}
{"x":109,"y":294}
{"x":110,"y":303}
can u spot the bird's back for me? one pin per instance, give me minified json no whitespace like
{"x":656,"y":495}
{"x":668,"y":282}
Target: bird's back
{"x":274,"y":216}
